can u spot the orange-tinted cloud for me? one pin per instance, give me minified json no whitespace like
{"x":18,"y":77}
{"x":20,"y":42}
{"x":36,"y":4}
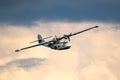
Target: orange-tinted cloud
{"x":93,"y":55}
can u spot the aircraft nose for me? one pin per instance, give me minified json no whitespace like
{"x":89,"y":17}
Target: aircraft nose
{"x":68,"y":44}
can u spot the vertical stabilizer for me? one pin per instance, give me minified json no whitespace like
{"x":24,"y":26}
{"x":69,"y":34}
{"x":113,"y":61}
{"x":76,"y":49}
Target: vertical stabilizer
{"x":40,"y":39}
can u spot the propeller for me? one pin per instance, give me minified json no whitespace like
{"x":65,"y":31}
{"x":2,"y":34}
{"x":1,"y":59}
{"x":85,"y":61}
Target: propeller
{"x":56,"y":38}
{"x":67,"y":37}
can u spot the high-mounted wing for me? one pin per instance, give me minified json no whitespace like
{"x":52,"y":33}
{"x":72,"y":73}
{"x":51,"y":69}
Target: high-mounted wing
{"x":31,"y":46}
{"x":83,"y":31}
{"x":56,"y":39}
{"x":72,"y":34}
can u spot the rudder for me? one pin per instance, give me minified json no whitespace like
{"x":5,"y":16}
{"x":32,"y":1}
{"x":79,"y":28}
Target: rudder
{"x":40,"y":39}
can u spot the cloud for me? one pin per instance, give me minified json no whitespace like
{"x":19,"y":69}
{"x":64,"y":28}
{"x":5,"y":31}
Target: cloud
{"x":40,"y":3}
{"x":6,"y":4}
{"x":25,"y":64}
{"x":93,"y":55}
{"x":26,"y":12}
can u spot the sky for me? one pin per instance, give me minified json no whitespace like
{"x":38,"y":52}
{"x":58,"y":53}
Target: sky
{"x":94,"y":55}
{"x":25,"y":12}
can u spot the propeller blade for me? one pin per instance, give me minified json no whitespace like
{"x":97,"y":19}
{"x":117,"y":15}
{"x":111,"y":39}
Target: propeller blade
{"x":69,"y":38}
{"x":55,"y":36}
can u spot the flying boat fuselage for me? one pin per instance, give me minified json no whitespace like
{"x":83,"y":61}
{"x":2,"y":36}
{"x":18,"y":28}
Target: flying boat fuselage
{"x":59,"y":45}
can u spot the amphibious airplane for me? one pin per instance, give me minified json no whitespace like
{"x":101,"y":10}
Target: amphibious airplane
{"x":57,"y":43}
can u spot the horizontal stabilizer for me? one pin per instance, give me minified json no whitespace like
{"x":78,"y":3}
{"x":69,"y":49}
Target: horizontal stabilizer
{"x":43,"y":39}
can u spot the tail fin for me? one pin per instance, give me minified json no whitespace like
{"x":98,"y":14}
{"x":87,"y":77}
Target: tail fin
{"x":40,"y":39}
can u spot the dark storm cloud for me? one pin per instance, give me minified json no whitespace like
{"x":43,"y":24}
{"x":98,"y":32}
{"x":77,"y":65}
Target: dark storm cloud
{"x":23,"y":4}
{"x":28,"y":11}
{"x":22,"y":63}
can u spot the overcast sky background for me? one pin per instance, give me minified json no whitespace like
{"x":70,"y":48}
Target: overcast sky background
{"x":29,"y":11}
{"x":94,"y":55}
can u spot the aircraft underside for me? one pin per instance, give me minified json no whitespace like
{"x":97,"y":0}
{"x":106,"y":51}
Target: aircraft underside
{"x":60,"y":46}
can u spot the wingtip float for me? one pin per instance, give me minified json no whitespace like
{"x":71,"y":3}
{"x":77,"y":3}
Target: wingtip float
{"x":17,"y":50}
